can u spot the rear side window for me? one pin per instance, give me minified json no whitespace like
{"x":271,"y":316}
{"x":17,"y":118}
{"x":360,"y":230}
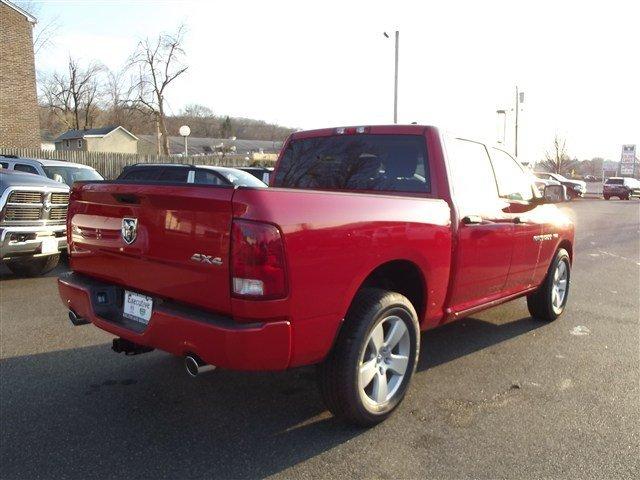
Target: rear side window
{"x":141,"y":174}
{"x":356,"y":162}
{"x":204,"y":177}
{"x":513,"y":183}
{"x":615,"y":181}
{"x":174,"y":175}
{"x":4,"y":165}
{"x":20,"y":167}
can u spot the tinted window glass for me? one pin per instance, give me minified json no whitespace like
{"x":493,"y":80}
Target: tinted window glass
{"x":356,"y":162}
{"x":69,"y":175}
{"x":143,"y":174}
{"x":239,"y":178}
{"x":24,"y":168}
{"x":4,"y":165}
{"x":174,"y":175}
{"x":207,"y":177}
{"x":513,"y":183}
{"x":471,"y":173}
{"x":615,"y":181}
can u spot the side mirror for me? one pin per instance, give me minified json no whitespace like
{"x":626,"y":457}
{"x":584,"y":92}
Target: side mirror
{"x":554,"y":194}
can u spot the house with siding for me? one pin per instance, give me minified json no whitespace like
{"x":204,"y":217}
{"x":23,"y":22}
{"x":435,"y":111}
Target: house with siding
{"x":113,"y":139}
{"x":19,"y":122}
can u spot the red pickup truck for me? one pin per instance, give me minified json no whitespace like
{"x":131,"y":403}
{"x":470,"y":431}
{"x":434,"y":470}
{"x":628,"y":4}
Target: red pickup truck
{"x":366,"y":237}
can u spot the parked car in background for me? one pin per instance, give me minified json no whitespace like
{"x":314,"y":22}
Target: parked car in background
{"x":541,"y":183}
{"x":622,"y":187}
{"x":180,"y":173}
{"x":60,"y":171}
{"x":366,"y":237}
{"x":575,"y":188}
{"x":33,"y":214}
{"x":261,"y":173}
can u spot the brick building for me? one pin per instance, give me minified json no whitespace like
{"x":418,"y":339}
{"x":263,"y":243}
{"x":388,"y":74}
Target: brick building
{"x":19,"y":123}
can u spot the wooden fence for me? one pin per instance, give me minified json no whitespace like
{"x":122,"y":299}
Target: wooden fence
{"x":109,"y":165}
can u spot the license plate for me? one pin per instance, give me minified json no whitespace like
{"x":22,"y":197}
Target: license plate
{"x":49,"y":245}
{"x":137,"y":307}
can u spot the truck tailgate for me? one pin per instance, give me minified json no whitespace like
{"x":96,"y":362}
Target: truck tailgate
{"x":178,"y":248}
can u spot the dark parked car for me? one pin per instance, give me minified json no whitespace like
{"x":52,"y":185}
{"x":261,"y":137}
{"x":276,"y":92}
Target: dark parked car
{"x":622,"y":187}
{"x":575,"y":188}
{"x":201,"y":175}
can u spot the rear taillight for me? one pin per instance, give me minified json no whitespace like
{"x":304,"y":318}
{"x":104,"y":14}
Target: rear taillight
{"x":257,"y":261}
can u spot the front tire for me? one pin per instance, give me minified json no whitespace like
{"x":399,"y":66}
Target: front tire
{"x":366,"y":375}
{"x":549,"y":301}
{"x":32,"y":267}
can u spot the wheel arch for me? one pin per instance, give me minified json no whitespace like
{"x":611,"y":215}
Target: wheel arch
{"x":402,"y":276}
{"x":568,"y":246}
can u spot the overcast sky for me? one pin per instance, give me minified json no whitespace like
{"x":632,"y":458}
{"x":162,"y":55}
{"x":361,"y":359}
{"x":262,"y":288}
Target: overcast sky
{"x":317,"y":64}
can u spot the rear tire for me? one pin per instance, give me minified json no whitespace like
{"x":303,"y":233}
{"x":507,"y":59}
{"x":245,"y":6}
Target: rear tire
{"x":374,"y":358}
{"x":549,"y":301}
{"x":32,"y":267}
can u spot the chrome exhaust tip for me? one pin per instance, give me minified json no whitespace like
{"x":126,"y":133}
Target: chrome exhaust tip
{"x":194,"y":366}
{"x":76,"y":319}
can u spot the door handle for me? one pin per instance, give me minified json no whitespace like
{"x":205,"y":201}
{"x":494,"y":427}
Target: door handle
{"x":472,"y":220}
{"x":517,"y":220}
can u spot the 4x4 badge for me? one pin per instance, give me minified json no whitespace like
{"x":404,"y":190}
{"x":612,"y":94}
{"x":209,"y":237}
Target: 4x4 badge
{"x":129,"y":230}
{"x":207,"y":259}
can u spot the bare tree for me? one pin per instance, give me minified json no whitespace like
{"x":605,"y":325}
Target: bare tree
{"x":74,"y":95}
{"x":557,"y":160}
{"x":45,"y":30}
{"x":117,"y":110}
{"x":155,"y":65}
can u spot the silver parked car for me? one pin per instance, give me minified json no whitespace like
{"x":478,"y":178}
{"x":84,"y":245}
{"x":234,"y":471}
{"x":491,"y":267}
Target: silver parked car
{"x":63,"y":172}
{"x":33,"y":214}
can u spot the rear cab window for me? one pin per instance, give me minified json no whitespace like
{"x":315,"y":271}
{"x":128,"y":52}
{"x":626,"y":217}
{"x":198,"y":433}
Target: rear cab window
{"x":360,"y":162}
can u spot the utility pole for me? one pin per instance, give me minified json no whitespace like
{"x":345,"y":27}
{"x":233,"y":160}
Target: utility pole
{"x":517,"y":109}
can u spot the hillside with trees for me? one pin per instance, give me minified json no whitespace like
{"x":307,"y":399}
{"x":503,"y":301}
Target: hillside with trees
{"x":87,"y":94}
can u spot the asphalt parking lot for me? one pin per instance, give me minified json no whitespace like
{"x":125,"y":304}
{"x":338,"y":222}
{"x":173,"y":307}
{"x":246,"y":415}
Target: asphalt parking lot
{"x":498,"y":395}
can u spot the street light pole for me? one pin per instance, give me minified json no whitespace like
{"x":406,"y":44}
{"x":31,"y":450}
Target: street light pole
{"x":504,"y":125}
{"x":185,"y":131}
{"x":395,"y":77}
{"x":395,"y":88}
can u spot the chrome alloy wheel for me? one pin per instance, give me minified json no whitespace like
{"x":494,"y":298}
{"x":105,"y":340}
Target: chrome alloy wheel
{"x":560,"y":284}
{"x":384,"y":362}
